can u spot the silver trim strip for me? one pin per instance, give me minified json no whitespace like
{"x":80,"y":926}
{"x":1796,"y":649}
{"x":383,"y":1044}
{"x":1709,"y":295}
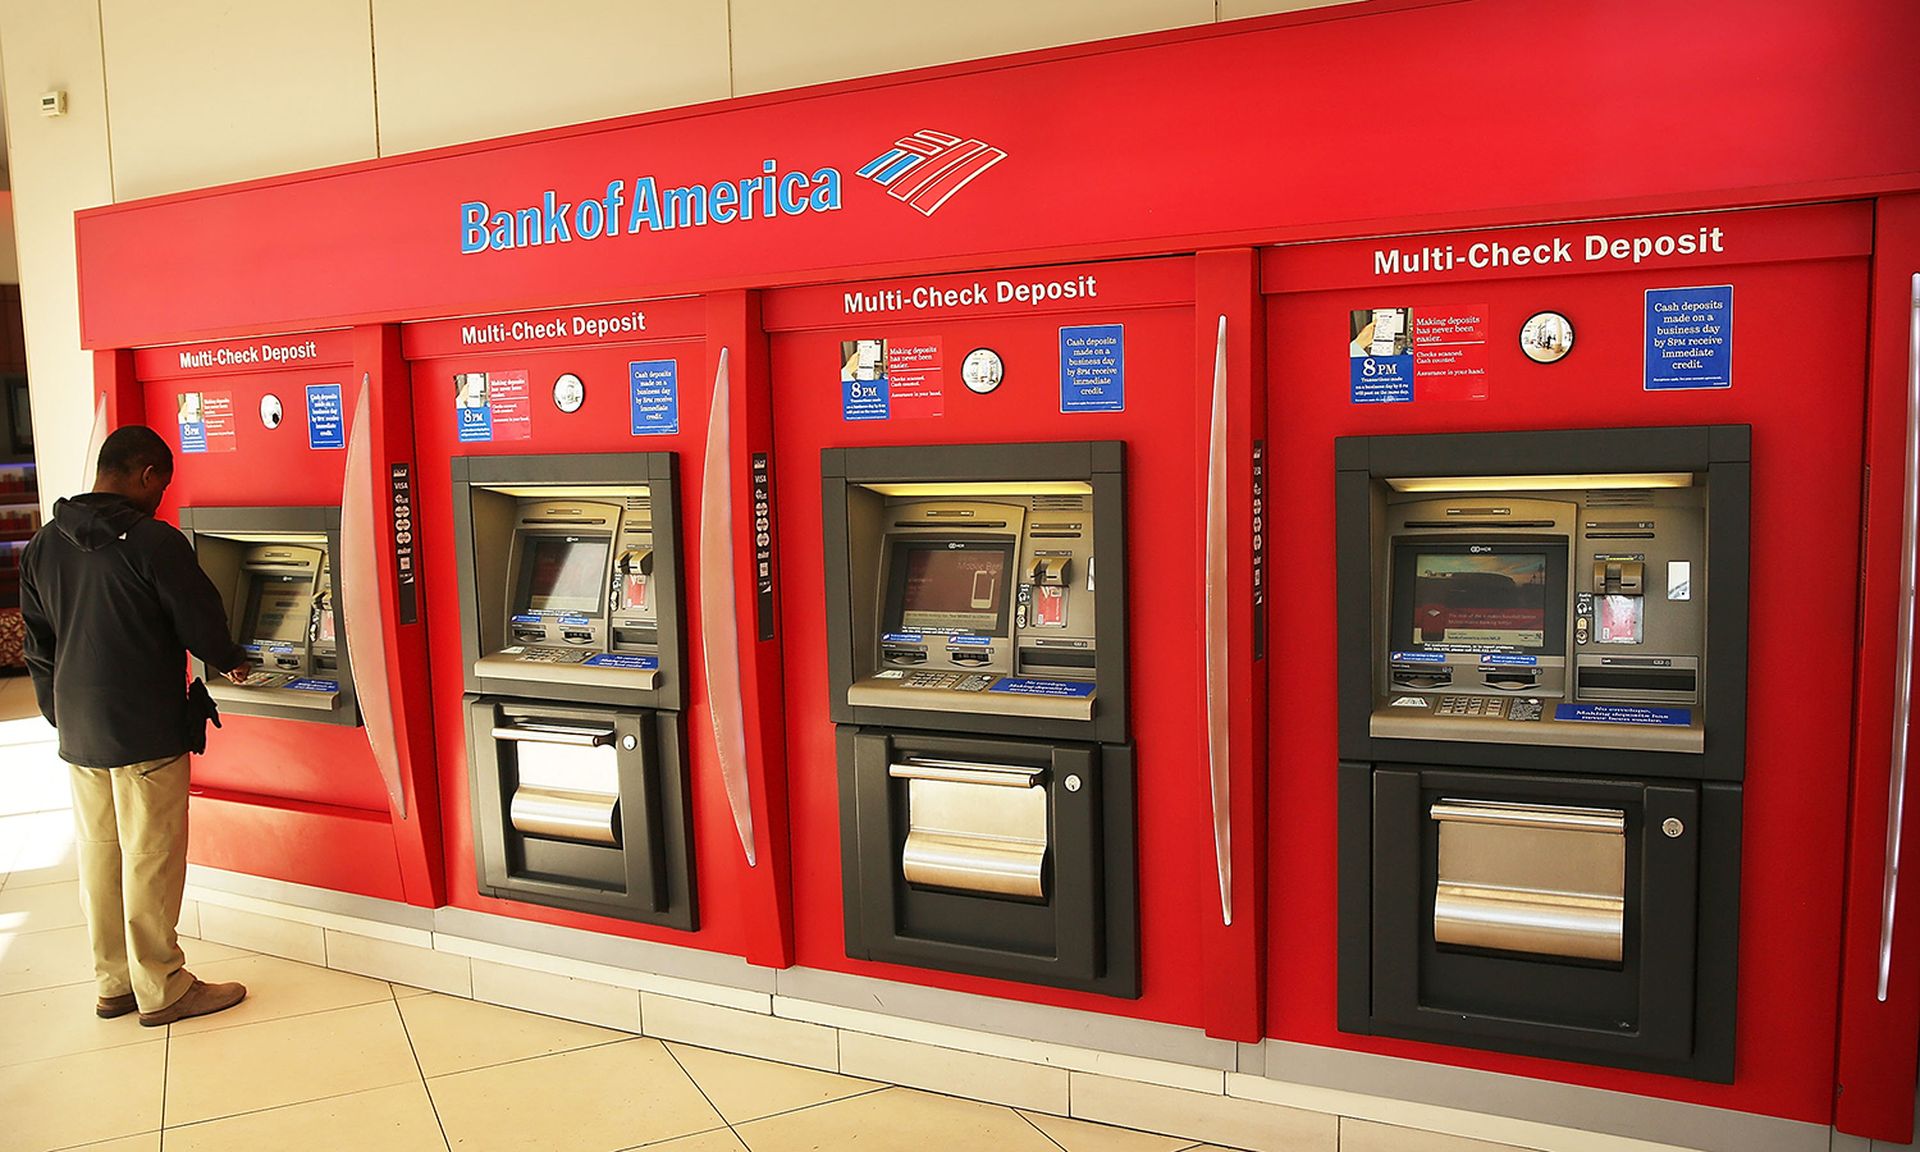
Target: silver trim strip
{"x":719,"y":620}
{"x":1903,"y":657}
{"x":554,"y":734}
{"x":1219,"y":753}
{"x":362,"y":628}
{"x":965,"y":772}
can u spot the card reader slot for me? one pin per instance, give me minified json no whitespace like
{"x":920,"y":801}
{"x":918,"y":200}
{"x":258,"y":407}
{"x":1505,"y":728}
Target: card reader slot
{"x":1408,"y":677}
{"x":1511,"y":679}
{"x":1618,"y":535}
{"x":1681,"y":680}
{"x":950,"y":525}
{"x":1056,"y":658}
{"x":1479,"y":524}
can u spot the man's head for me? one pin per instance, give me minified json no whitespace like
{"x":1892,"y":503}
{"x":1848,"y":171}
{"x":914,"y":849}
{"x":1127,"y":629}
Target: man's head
{"x":137,"y":464}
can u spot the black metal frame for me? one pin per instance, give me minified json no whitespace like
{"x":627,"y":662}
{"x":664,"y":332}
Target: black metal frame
{"x":660,"y":472}
{"x":1084,"y":934}
{"x":1670,"y":1006}
{"x":305,"y":521}
{"x":647,"y":877}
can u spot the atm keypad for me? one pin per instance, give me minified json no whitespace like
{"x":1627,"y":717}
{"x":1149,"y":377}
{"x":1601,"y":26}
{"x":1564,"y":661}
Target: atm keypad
{"x":952,"y":681}
{"x":1478,"y":707}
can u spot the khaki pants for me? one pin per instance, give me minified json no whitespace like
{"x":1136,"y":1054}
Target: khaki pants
{"x":131,"y":824}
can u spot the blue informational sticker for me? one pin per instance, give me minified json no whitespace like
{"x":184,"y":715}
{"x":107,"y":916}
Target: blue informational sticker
{"x":1093,"y":368}
{"x":621,"y":660}
{"x":528,"y":618}
{"x":1026,"y":686}
{"x":865,"y":399}
{"x":654,"y":387}
{"x":903,"y":638}
{"x":326,"y":423}
{"x":575,"y":621}
{"x":1418,"y":657}
{"x":312,"y":685}
{"x":281,"y":649}
{"x":969,"y":641}
{"x":1381,"y":379}
{"x":1510,"y":658}
{"x":1689,"y":338}
{"x":193,"y":435}
{"x":475,"y":424}
{"x":1623,"y":714}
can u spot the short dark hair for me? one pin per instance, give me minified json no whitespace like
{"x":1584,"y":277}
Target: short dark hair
{"x":130,"y":450}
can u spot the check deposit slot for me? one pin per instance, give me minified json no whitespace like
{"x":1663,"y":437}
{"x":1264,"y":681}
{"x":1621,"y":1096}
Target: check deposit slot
{"x":274,"y":568}
{"x":571,"y":601}
{"x":977,"y":649}
{"x":1543,"y":695}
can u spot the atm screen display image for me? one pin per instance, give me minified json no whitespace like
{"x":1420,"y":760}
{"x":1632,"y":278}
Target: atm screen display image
{"x":280,"y":608}
{"x":953,"y":589}
{"x":565,"y":575}
{"x":1466,"y":600}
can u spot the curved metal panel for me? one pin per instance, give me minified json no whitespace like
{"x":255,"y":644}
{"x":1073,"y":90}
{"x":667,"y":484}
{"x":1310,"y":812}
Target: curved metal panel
{"x":719,"y":621}
{"x":361,"y":623}
{"x":1219,"y":763}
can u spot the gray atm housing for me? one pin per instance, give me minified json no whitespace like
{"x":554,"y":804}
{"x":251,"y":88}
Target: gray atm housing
{"x":1512,"y":877}
{"x":986,"y":774}
{"x":576,"y":739}
{"x":245,"y":550}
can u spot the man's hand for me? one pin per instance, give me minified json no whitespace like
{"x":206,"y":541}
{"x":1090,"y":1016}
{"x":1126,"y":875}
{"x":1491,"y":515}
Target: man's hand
{"x":239,"y":672}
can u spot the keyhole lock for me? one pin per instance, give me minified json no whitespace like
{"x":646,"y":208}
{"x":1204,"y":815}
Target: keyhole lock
{"x":1672,"y":827}
{"x":1073,"y":783}
{"x":629,"y":743}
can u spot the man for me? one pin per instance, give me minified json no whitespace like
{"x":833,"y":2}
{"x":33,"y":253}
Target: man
{"x":113,"y":600}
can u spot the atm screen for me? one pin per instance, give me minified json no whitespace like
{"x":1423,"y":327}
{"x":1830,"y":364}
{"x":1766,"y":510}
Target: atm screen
{"x":944,"y":588}
{"x":278,"y":608}
{"x":1480,"y":600}
{"x":564,"y":574}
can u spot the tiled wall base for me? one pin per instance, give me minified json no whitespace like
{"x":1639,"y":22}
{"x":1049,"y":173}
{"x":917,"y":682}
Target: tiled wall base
{"x":1234,"y":1108}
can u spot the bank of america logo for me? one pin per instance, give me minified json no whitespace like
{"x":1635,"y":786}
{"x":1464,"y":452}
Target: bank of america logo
{"x":927,"y":167}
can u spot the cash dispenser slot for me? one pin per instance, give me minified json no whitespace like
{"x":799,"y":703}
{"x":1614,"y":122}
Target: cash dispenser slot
{"x":1534,"y":878}
{"x":569,"y":781}
{"x":974,"y":827}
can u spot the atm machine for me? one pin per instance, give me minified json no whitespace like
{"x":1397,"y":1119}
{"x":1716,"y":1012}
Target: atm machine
{"x":573,"y":648}
{"x":274,"y":569}
{"x":1542,"y":741}
{"x":976,"y":624}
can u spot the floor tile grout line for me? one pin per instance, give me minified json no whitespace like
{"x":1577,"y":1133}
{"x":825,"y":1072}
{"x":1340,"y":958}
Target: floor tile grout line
{"x":230,"y":1026}
{"x":166,"y":1067}
{"x":1044,"y":1134}
{"x":420,"y":1068}
{"x":815,"y":1104}
{"x":538,"y":1055}
{"x":675,"y":1057}
{"x":288,"y":1104}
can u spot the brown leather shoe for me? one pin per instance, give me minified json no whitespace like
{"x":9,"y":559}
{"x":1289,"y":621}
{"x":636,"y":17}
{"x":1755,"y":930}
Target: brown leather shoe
{"x":200,"y":999}
{"x":109,"y":1007}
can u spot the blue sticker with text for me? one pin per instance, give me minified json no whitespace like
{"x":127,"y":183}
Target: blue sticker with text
{"x":654,"y":387}
{"x":1093,"y":368}
{"x":620,"y":660}
{"x":1689,"y":338}
{"x":1418,"y":657}
{"x":969,"y":641}
{"x":193,"y":435}
{"x":1026,"y":686}
{"x":903,"y":638}
{"x":1510,"y":658}
{"x":475,"y":424}
{"x":575,"y":621}
{"x":1623,"y":714}
{"x":1381,"y":379}
{"x":311,"y":685}
{"x":865,"y":399}
{"x":529,"y":618}
{"x":326,"y":424}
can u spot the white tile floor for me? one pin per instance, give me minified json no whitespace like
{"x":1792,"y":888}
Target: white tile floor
{"x":318,"y":1059}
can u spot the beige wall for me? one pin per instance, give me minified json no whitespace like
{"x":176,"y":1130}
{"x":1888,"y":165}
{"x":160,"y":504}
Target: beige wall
{"x":188,"y":93}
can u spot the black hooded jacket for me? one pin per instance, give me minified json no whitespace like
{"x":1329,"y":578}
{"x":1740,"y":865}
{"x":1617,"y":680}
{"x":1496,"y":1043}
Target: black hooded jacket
{"x":113,"y":601}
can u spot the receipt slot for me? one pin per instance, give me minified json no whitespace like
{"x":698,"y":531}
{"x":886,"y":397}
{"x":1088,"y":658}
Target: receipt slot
{"x":976,"y":623}
{"x":573,"y":646}
{"x":274,"y":568}
{"x":1542,"y":736}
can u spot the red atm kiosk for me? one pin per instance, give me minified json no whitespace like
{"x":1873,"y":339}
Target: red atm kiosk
{"x":322,"y":773}
{"x":589,"y":516}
